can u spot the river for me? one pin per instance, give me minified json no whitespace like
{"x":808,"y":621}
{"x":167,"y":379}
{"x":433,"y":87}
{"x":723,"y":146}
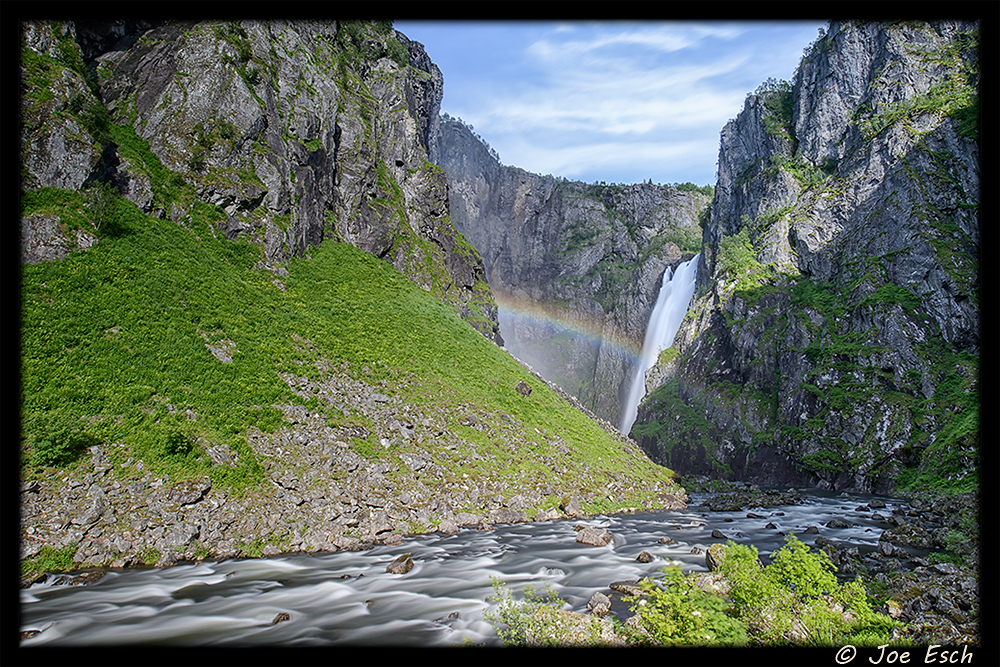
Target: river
{"x":348,"y":597}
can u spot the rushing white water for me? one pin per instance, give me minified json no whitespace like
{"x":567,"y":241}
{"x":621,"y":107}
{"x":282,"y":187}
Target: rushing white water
{"x":348,"y":598}
{"x":668,"y":313}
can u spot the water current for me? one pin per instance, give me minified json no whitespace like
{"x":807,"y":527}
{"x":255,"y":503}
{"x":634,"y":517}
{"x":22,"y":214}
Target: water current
{"x":348,"y":598}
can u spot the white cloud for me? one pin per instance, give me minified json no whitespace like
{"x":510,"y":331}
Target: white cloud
{"x":652,"y":158}
{"x":665,"y":37}
{"x":623,"y":100}
{"x":597,"y":101}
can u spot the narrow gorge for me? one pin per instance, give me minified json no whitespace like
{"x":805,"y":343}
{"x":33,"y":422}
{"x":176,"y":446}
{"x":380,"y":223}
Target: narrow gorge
{"x":833,"y":340}
{"x":575,"y":267}
{"x":275,"y":305}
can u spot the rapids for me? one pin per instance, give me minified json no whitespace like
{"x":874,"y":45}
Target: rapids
{"x":348,"y":598}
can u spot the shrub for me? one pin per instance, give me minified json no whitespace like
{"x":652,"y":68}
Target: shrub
{"x":177,"y":444}
{"x":519,"y":623}
{"x":738,"y":258}
{"x":101,"y":201}
{"x":58,"y":441}
{"x":677,"y":612}
{"x":796,"y":599}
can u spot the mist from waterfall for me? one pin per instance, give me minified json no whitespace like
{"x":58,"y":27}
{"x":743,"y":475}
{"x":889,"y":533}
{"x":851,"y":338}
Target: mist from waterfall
{"x":668,"y":313}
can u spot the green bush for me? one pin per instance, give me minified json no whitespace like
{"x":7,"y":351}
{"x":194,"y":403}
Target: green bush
{"x":518,"y":623}
{"x":677,"y":612}
{"x":101,"y":201}
{"x":58,"y":441}
{"x":177,"y":444}
{"x":737,"y":258}
{"x":796,"y":599}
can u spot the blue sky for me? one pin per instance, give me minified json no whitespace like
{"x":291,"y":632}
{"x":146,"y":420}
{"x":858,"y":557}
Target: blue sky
{"x":615,"y":101}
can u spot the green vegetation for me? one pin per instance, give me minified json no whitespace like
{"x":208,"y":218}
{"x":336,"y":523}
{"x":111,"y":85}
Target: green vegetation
{"x":794,"y":600}
{"x":956,"y":96}
{"x":520,"y":623}
{"x":676,"y":612}
{"x":117,"y":346}
{"x":48,"y":559}
{"x":807,"y":174}
{"x":675,"y":421}
{"x":779,"y":102}
{"x":738,"y":259}
{"x":707,"y":190}
{"x":365,"y":41}
{"x":797,"y":599}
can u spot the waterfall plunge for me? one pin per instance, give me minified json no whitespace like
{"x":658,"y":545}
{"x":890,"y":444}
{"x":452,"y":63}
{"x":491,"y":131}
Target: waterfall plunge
{"x":668,"y":313}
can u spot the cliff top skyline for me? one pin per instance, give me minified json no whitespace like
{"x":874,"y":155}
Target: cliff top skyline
{"x":613,"y":101}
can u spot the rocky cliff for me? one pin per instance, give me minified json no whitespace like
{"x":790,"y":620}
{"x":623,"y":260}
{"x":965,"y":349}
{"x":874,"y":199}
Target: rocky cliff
{"x":205,"y":371}
{"x":575,"y":267}
{"x":293,"y":131}
{"x":833,"y":339}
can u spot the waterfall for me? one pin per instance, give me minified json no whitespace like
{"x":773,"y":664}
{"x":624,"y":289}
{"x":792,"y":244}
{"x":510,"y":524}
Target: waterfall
{"x":668,"y":313}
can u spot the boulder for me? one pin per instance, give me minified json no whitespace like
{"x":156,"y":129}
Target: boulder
{"x":571,"y":508}
{"x":548,"y":515}
{"x":447,"y":526}
{"x":189,"y":491}
{"x":509,"y":516}
{"x":599,"y":604}
{"x":593,"y":536}
{"x":628,"y":588}
{"x":714,"y":556}
{"x":401,"y":565}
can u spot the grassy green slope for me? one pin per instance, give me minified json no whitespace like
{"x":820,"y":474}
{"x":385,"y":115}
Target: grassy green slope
{"x":115,"y":348}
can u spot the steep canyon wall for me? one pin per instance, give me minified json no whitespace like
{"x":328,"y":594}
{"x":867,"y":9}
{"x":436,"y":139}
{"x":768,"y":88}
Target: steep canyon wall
{"x":833,"y":339}
{"x":575,"y":267}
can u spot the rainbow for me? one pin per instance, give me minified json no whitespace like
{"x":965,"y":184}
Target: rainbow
{"x":559,"y":320}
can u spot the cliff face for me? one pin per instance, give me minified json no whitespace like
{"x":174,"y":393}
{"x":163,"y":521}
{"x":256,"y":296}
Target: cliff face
{"x":576,"y":268}
{"x":834,"y":335}
{"x":295,"y":131}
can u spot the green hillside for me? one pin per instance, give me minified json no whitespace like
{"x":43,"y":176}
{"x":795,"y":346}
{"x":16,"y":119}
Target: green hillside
{"x":117,"y":340}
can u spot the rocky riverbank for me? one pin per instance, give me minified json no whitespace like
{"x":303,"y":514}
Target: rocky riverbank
{"x":935,"y":594}
{"x":398,"y":468}
{"x":924,"y":573}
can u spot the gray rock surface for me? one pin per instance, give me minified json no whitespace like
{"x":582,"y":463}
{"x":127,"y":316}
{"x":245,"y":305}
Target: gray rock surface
{"x":575,"y":267}
{"x":842,"y":348}
{"x":295,"y":131}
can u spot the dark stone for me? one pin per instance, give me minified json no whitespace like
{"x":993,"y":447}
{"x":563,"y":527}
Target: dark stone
{"x":401,"y":565}
{"x":627,"y":587}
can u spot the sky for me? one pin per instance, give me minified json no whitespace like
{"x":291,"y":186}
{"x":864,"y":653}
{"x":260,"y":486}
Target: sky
{"x":616,"y":101}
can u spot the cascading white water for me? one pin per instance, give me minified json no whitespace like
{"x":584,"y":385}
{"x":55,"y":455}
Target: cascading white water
{"x":668,"y":313}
